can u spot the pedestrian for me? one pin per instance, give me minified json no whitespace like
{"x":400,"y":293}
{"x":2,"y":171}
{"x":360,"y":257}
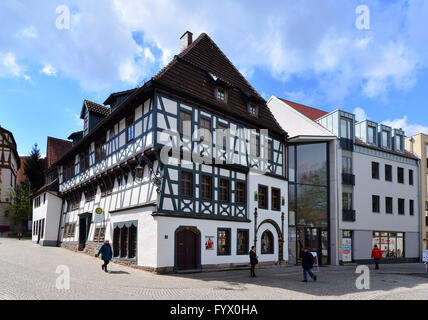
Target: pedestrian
{"x":307,"y":265}
{"x":253,"y":261}
{"x":376,"y":255}
{"x":106,"y":254}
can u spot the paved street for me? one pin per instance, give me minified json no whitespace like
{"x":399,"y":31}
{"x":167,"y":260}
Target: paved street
{"x":28,"y":271}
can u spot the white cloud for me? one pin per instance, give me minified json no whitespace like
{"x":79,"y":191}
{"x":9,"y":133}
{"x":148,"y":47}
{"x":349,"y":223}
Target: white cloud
{"x":305,"y":39}
{"x":360,"y":114}
{"x":9,"y":67}
{"x":49,"y":70}
{"x":409,"y":128}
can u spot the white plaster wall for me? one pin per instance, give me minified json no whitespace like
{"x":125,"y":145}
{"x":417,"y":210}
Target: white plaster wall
{"x":51,"y":212}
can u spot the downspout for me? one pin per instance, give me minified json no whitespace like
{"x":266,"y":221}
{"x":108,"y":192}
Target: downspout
{"x":60,"y":222}
{"x":421,"y":237}
{"x":336,"y":203}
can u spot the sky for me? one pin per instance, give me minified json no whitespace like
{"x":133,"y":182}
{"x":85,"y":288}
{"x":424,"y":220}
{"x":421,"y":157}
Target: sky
{"x":369,"y":57}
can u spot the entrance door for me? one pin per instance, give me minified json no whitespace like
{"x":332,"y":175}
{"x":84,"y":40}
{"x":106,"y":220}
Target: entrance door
{"x":315,"y":240}
{"x":84,"y":226}
{"x":186,"y":250}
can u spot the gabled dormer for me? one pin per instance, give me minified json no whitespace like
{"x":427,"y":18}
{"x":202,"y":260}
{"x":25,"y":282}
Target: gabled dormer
{"x":92,"y":113}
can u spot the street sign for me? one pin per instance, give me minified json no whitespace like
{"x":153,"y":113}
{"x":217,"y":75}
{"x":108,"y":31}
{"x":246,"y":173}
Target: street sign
{"x":425,"y":256}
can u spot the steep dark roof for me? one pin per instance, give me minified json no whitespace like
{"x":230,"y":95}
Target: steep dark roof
{"x":94,"y":107}
{"x":55,"y":149}
{"x":193,"y":71}
{"x":114,"y":95}
{"x":311,"y":113}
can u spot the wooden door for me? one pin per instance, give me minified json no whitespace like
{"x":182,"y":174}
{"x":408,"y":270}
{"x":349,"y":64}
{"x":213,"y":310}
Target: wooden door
{"x":186,"y":248}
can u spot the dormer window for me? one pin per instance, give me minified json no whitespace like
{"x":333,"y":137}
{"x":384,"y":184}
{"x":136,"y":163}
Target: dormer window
{"x":253,"y":109}
{"x":221,"y":93}
{"x":86,"y":123}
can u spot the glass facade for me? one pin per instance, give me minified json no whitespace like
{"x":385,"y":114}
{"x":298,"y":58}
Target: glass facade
{"x":308,"y":201}
{"x":391,"y":243}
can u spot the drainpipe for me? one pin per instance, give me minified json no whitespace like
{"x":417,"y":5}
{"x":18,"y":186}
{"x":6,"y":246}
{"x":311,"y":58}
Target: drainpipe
{"x":60,"y":222}
{"x":336,"y":204}
{"x":421,"y":237}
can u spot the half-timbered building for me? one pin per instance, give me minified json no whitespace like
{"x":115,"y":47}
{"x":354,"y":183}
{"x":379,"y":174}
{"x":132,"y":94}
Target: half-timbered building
{"x":187,"y":171}
{"x":9,"y":166}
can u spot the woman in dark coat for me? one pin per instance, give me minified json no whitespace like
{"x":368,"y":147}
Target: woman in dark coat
{"x":253,"y":261}
{"x":307,"y":264}
{"x":106,"y":254}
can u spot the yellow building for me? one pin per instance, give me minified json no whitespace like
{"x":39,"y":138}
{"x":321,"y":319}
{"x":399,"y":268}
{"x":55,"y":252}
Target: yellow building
{"x":418,"y":144}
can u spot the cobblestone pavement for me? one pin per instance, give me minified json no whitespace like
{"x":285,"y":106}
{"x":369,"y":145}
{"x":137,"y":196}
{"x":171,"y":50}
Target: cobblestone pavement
{"x":28,"y":271}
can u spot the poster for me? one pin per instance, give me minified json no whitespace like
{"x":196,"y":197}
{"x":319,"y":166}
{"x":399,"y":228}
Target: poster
{"x":425,"y":256}
{"x":346,"y":249}
{"x":209,"y":243}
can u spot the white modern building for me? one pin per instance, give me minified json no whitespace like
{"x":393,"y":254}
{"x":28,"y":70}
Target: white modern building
{"x":186,"y":172}
{"x":368,"y":181}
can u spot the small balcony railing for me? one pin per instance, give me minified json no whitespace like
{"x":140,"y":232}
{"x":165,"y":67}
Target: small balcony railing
{"x":348,"y":215}
{"x":348,"y":179}
{"x":347,"y":144}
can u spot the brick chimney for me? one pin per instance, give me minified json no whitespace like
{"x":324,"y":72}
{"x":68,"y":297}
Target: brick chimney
{"x":186,"y":40}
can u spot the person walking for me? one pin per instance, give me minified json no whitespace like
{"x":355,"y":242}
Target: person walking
{"x":376,"y":255}
{"x":307,"y":265}
{"x":106,"y":254}
{"x":253,"y":261}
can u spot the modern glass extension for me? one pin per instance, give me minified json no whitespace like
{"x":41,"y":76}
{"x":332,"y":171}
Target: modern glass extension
{"x":308,"y":201}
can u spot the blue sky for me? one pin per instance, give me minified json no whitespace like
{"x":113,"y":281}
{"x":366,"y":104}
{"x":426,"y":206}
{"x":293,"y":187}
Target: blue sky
{"x":307,"y":51}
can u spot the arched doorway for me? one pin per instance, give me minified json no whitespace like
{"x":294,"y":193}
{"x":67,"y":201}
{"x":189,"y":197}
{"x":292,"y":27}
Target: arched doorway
{"x":187,"y":248}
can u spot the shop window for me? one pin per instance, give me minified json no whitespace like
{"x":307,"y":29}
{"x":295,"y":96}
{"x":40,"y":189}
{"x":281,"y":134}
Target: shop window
{"x":223,"y":242}
{"x":391,"y":243}
{"x":99,"y":235}
{"x":125,"y":242}
{"x":267,"y":243}
{"x":243,"y":242}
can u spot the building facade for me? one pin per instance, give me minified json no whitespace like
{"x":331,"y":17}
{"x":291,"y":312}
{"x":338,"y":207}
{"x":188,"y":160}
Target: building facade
{"x":418,"y":144}
{"x":186,"y":172}
{"x":9,"y":166}
{"x":358,"y":190}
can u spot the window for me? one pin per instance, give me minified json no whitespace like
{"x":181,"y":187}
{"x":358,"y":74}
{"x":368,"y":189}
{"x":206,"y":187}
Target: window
{"x":411,"y":177}
{"x":255,"y":145}
{"x":346,"y":128}
{"x":267,"y":243}
{"x":84,"y":161}
{"x":130,"y":129}
{"x":411,"y":207}
{"x":376,"y":204}
{"x":207,"y":188}
{"x":347,"y":165}
{"x":90,"y":193}
{"x":401,"y":206}
{"x":375,"y":170}
{"x":346,"y":201}
{"x":37,"y":202}
{"x":223,"y":242}
{"x":400,"y":175}
{"x":85,"y":123}
{"x":125,"y":242}
{"x":99,"y":234}
{"x":222,"y":133}
{"x":44,"y":198}
{"x":186,"y":184}
{"x":243,"y":242}
{"x":391,"y":243}
{"x":253,"y":109}
{"x":107,"y":187}
{"x":276,"y":199}
{"x":205,"y":129}
{"x":388,"y":205}
{"x":371,"y":135}
{"x":221,"y":93}
{"x":100,"y":149}
{"x":240,"y":192}
{"x":224,"y":190}
{"x":270,"y":151}
{"x":388,"y":172}
{"x":263,"y":196}
{"x":385,"y":139}
{"x":185,"y":123}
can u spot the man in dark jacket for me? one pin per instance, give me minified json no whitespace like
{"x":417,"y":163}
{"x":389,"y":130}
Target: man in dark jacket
{"x":307,"y":264}
{"x":253,"y":261}
{"x":106,"y":254}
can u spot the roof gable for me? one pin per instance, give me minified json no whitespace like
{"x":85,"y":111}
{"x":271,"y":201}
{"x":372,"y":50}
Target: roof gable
{"x":309,"y":112}
{"x":94,"y":107}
